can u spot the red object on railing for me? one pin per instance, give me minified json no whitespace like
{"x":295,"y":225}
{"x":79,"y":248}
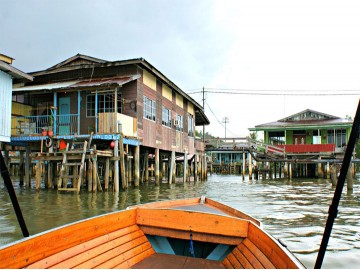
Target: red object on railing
{"x":308,"y":148}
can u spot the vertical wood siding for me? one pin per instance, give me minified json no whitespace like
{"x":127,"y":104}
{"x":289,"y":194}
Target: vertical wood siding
{"x":5,"y":98}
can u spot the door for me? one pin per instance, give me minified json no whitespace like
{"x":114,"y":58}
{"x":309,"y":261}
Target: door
{"x":64,"y":116}
{"x":299,"y":139}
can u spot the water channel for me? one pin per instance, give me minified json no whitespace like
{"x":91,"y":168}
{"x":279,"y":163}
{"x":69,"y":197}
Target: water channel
{"x":294,"y":211}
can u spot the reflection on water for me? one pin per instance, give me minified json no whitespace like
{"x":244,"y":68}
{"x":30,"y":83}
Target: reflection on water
{"x":293,"y":210}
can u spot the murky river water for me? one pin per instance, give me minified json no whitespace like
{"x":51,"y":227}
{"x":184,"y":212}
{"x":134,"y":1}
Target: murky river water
{"x":294,"y":211}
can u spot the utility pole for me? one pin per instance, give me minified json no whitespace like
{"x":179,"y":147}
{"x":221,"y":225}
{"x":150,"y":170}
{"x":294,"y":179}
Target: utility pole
{"x":203,"y":99}
{"x":225,"y":121}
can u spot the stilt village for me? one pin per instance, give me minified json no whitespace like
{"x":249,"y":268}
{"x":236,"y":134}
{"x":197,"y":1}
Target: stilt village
{"x":86,"y":124}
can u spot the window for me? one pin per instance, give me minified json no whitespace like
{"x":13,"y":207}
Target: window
{"x":277,"y":137}
{"x":190,"y":125}
{"x":179,"y":122}
{"x":166,"y":117}
{"x":316,"y":137}
{"x":337,"y":137}
{"x":105,"y":103}
{"x":149,"y":109}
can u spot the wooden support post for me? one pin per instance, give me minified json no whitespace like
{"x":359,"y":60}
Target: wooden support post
{"x":27,"y":167}
{"x":320,"y":171}
{"x":116,"y":167}
{"x":106,"y":174}
{"x":38,"y":174}
{"x":280,"y":170}
{"x":195,"y":167}
{"x":50,"y":173}
{"x":46,"y":174}
{"x":130,"y":170}
{"x":146,"y":166}
{"x":333,"y":175}
{"x":327,"y":170}
{"x":275,"y":170}
{"x":285,"y":170}
{"x":94,"y":171}
{"x":250,"y":167}
{"x":349,"y":179}
{"x":202,"y":171}
{"x":172,"y":167}
{"x":290,"y":171}
{"x":137,"y":166}
{"x":21,"y":168}
{"x":243,"y":166}
{"x":157,"y":166}
{"x":89,"y":175}
{"x":122,"y":164}
{"x":185,"y":167}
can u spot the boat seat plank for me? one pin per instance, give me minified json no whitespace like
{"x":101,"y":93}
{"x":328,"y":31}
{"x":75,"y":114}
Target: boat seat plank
{"x":81,"y":248}
{"x":130,"y":256}
{"x":235,"y":263}
{"x":227,"y":264}
{"x":250,"y":256}
{"x":258,"y":254}
{"x":104,"y":252}
{"x":169,"y":261}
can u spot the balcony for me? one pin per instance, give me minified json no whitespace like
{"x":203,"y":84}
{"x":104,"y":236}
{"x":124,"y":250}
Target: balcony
{"x":308,"y":148}
{"x":34,"y":125}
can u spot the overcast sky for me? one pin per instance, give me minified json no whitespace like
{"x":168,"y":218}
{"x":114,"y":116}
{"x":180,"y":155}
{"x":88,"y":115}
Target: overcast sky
{"x":240,"y":47}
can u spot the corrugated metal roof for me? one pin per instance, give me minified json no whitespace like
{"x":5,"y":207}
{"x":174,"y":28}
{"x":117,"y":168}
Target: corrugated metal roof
{"x":80,"y":83}
{"x":16,"y":73}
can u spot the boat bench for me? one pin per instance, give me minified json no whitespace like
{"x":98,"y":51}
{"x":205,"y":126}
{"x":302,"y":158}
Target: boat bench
{"x":119,"y":249}
{"x":246,"y":255}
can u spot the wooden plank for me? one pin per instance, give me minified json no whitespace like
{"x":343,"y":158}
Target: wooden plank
{"x":231,"y":211}
{"x":227,"y":263}
{"x":234,"y":261}
{"x":258,"y":254}
{"x":81,"y":248}
{"x":241,"y":258}
{"x":136,"y":259}
{"x":104,"y":252}
{"x":122,"y":254}
{"x":250,"y":257}
{"x":192,"y":221}
{"x":38,"y":247}
{"x":169,"y":203}
{"x":271,"y":249}
{"x":204,"y":237}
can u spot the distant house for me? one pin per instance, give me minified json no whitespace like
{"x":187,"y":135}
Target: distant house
{"x":7,"y":74}
{"x":83,"y":94}
{"x":308,"y":133}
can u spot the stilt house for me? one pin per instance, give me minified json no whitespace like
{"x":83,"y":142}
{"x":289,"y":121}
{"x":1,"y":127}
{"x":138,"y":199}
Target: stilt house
{"x":308,"y":133}
{"x":84,"y":95}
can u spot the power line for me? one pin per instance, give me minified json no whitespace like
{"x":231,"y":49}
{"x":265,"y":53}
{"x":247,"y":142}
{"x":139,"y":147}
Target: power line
{"x":261,"y":92}
{"x":220,"y":121}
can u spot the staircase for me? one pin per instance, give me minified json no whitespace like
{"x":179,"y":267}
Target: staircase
{"x":74,"y":162}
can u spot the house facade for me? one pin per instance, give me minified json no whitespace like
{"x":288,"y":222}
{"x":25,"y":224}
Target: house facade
{"x":308,"y":133}
{"x":83,"y":95}
{"x":8,"y":73}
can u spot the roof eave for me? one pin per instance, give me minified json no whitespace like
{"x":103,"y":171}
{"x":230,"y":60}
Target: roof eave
{"x":14,"y":72}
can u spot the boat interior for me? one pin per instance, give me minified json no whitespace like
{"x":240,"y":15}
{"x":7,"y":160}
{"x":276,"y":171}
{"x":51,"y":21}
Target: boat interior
{"x":146,"y":237}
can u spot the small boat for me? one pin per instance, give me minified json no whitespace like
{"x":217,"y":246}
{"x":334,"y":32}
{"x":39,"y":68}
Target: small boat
{"x":186,"y":233}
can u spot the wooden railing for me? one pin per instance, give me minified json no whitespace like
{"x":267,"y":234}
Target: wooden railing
{"x":66,"y":124}
{"x":308,"y":148}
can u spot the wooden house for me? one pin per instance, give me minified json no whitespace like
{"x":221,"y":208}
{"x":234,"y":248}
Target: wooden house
{"x":308,"y":133}
{"x":7,"y":74}
{"x":84,"y":95}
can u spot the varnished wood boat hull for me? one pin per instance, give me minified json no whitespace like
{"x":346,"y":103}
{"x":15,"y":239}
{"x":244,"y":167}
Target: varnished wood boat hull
{"x":142,"y":237}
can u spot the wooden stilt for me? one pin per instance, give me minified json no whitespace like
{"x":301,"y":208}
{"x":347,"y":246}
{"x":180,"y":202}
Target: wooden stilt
{"x":137,"y":166}
{"x":290,"y":171}
{"x":157,"y":166}
{"x":27,"y":167}
{"x":89,"y":175}
{"x":116,"y":167}
{"x":172,"y":165}
{"x":122,"y":163}
{"x":146,"y":166}
{"x":349,"y":179}
{"x":38,"y":175}
{"x":106,"y":174}
{"x":185,"y":167}
{"x":333,"y":175}
{"x":94,"y":171}
{"x":195,"y":167}
{"x":21,"y":168}
{"x":243,"y":166}
{"x":130,"y":170}
{"x":250,"y":167}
